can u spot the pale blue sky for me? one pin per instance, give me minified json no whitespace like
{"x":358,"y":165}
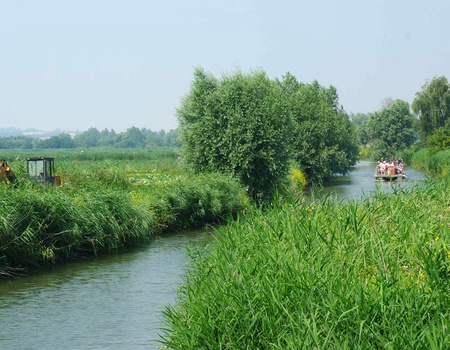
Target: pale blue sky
{"x":116,"y":64}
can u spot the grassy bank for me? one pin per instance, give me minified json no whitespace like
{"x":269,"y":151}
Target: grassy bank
{"x":373,"y":274}
{"x":432,"y":162}
{"x":108,"y":201}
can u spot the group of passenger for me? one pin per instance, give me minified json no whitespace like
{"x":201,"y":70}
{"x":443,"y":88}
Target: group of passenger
{"x":391,"y":167}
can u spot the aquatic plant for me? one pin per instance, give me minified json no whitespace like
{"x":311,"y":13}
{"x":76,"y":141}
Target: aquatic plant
{"x":363,"y":274}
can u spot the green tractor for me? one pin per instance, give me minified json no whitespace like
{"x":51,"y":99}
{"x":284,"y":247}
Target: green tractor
{"x":39,"y":169}
{"x":42,"y":169}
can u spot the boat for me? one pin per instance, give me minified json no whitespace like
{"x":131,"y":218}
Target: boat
{"x":389,"y":172}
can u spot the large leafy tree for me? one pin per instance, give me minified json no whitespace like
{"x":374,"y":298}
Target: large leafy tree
{"x":391,"y":129}
{"x":432,"y":106}
{"x":324,"y":140}
{"x":237,"y":125}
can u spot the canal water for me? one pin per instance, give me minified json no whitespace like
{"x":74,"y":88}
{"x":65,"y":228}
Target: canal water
{"x":116,"y":302}
{"x":360,"y":181}
{"x":112,"y":302}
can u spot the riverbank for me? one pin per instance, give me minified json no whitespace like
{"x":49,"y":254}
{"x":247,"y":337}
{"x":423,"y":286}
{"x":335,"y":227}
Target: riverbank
{"x":357,"y":274}
{"x":102,"y":208}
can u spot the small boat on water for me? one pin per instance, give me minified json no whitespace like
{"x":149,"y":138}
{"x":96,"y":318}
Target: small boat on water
{"x":389,"y":171}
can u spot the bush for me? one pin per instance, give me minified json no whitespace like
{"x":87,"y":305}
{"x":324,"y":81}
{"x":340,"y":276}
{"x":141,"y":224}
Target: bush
{"x":203,"y":199}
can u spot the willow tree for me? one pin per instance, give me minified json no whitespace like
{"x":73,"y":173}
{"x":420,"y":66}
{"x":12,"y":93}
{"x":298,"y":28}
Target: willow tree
{"x":238,"y":125}
{"x":324,"y":141}
{"x":432,"y":106}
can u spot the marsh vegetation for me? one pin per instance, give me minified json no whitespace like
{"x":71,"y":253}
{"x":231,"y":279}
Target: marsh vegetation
{"x":107,"y":201}
{"x":365,"y":274}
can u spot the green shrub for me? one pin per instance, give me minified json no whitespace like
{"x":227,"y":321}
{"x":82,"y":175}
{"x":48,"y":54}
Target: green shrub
{"x":200,"y":200}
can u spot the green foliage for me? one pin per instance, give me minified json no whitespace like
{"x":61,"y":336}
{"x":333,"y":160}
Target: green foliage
{"x":323,"y":138}
{"x":432,"y":106}
{"x":371,"y":274}
{"x":14,"y":142}
{"x":419,"y":159}
{"x":390,"y":130}
{"x":89,"y":138}
{"x":236,"y":125}
{"x":360,"y":121}
{"x":199,"y":200}
{"x":364,"y":152}
{"x":252,"y":127}
{"x":440,"y":139}
{"x":108,"y":200}
{"x":432,"y":162}
{"x":131,"y":138}
{"x":44,"y":224}
{"x":62,"y":140}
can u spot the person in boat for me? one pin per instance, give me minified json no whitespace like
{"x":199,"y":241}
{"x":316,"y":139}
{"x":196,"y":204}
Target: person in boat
{"x":400,"y":166}
{"x":392,"y":160}
{"x":390,"y":167}
{"x":381,"y":169}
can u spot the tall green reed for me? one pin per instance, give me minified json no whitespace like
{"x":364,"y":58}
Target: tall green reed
{"x":44,"y":224}
{"x":360,"y":274}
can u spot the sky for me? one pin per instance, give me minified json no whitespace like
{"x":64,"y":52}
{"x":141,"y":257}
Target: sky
{"x":73,"y":65}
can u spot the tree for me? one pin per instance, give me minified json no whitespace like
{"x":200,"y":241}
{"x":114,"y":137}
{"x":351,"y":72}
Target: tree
{"x":62,"y":140}
{"x":133,"y":138}
{"x":172,"y":139}
{"x":324,"y":139}
{"x":391,"y":129}
{"x":107,"y":138}
{"x":89,"y":138}
{"x":439,"y":140}
{"x":19,"y":142}
{"x":432,"y":106}
{"x":236,"y":125}
{"x":360,"y":121}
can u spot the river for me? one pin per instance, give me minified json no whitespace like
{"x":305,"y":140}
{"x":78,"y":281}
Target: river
{"x":115,"y":302}
{"x":361,"y":182}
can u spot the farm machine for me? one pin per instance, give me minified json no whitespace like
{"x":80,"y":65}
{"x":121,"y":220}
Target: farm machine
{"x":39,"y":169}
{"x":6,"y":173}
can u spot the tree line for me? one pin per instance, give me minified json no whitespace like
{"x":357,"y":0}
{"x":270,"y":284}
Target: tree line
{"x":132,"y":138}
{"x":256,"y":128}
{"x":397,"y":126}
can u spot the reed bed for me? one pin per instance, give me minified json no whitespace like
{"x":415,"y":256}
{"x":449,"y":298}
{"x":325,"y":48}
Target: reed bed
{"x":433,"y":162}
{"x":43,"y":224}
{"x":105,"y":205}
{"x":368,"y":274}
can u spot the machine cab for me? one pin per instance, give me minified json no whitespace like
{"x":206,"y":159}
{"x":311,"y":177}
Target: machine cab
{"x":41,"y":169}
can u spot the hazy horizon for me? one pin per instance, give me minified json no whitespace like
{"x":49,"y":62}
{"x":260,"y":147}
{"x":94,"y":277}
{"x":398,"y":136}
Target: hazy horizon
{"x":114,"y":65}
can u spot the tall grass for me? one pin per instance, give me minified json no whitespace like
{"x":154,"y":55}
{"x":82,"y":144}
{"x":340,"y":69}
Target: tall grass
{"x":43,"y":224}
{"x":435,"y":163}
{"x":369,"y":274}
{"x":104,"y":205}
